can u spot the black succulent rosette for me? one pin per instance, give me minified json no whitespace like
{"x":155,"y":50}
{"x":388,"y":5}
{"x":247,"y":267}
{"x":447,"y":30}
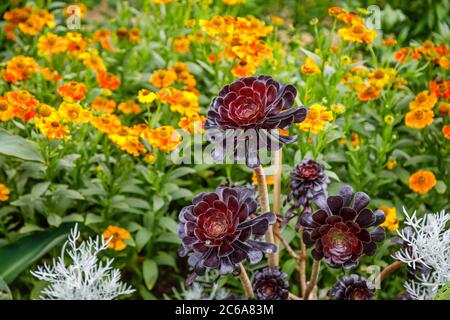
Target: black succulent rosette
{"x":343,"y":229}
{"x":352,"y":287}
{"x":249,"y":112}
{"x":217,"y":231}
{"x":308,"y":182}
{"x":271,"y":284}
{"x":419,"y":268}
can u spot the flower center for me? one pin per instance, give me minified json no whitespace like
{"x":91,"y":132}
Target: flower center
{"x":358,"y":29}
{"x":313,"y":114}
{"x":3,"y":107}
{"x":216,"y":226}
{"x":309,"y":172}
{"x":340,"y":243}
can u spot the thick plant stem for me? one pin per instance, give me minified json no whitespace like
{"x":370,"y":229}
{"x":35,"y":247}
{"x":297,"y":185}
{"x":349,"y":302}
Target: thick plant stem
{"x":392,"y":267}
{"x":246,"y":283}
{"x":277,"y":198}
{"x":265,"y":207}
{"x":302,"y":270}
{"x":313,"y":281}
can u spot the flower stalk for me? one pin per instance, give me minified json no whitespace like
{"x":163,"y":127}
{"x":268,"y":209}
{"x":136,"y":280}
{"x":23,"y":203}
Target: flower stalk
{"x":265,"y":207}
{"x":246,"y":283}
{"x":313,"y":281}
{"x":277,"y":200}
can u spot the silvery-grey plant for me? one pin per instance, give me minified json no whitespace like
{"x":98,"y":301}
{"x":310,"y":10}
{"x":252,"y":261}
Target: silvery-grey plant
{"x":86,"y":278}
{"x":428,"y":245}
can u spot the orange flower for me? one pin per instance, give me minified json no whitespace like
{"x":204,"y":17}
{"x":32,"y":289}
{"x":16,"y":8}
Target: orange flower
{"x":108,"y":80}
{"x":52,"y":127}
{"x":51,"y":44}
{"x":369,"y":93}
{"x":192,"y":124}
{"x":310,"y":67}
{"x":424,"y":101}
{"x":164,"y":138}
{"x":446,"y":131}
{"x":402,"y":54}
{"x":46,"y":111}
{"x":419,"y":118}
{"x":391,"y":164}
{"x":422,"y":181}
{"x":116,"y":236}
{"x":19,"y":68}
{"x":357,"y":33}
{"x":72,"y":91}
{"x":73,"y":112}
{"x":78,"y":9}
{"x":389,"y":42}
{"x":127,"y":140}
{"x":163,"y":78}
{"x":4,"y":193}
{"x":444,"y":109}
{"x":23,"y":104}
{"x":6,"y":112}
{"x":441,"y":88}
{"x":104,"y":36}
{"x":129,"y":107}
{"x":243,"y":69}
{"x":134,"y":35}
{"x":107,"y":123}
{"x":103,"y":104}
{"x":334,"y":11}
{"x":50,"y":74}
{"x":76,"y":44}
{"x":92,"y":60}
{"x":391,"y":222}
{"x":181,"y":44}
{"x":270,"y":180}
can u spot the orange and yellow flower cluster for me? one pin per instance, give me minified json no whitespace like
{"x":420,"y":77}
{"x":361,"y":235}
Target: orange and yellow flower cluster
{"x":242,"y":41}
{"x":28,"y":20}
{"x":355,"y":30}
{"x":436,"y":54}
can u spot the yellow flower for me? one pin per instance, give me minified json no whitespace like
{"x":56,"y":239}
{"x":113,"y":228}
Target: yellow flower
{"x":316,"y":119}
{"x":4,"y":193}
{"x":357,"y":33}
{"x":181,"y":44}
{"x":389,"y":119}
{"x":391,"y":164}
{"x":129,"y":107}
{"x":116,"y":237}
{"x":391,"y":221}
{"x":232,"y":2}
{"x":310,"y":67}
{"x":52,"y":127}
{"x":192,"y":124}
{"x":150,"y":158}
{"x":73,"y":112}
{"x":422,"y":181}
{"x":338,"y":108}
{"x":423,"y":101}
{"x":381,"y":76}
{"x":163,"y":78}
{"x":6,"y":111}
{"x":270,"y":180}
{"x":277,"y":20}
{"x":419,"y":118}
{"x":164,"y":138}
{"x":187,"y":104}
{"x":146,"y":96}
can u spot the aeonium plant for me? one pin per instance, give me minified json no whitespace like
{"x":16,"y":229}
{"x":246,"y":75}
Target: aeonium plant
{"x":223,"y":229}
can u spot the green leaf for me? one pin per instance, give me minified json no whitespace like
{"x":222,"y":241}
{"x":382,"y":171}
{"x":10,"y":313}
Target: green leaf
{"x":150,"y":272}
{"x":54,"y":220}
{"x":444,"y":293}
{"x":179,"y":172}
{"x":165,"y":259}
{"x":18,"y":256}
{"x":19,"y":147}
{"x":158,"y":202}
{"x":92,"y":219}
{"x":5,"y":293}
{"x":418,"y":159}
{"x":142,"y":237}
{"x":169,"y":224}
